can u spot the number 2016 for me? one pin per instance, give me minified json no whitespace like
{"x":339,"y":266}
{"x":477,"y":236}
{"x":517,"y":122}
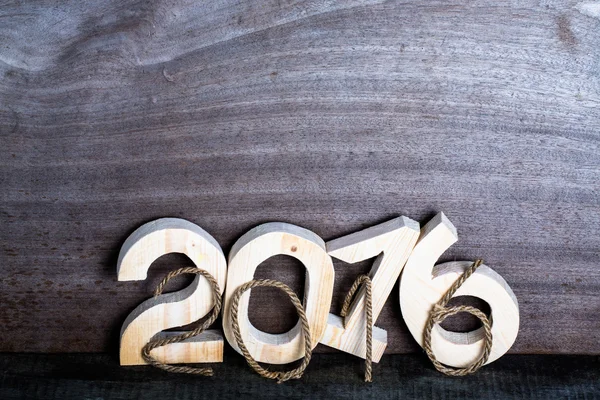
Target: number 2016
{"x":399,"y":245}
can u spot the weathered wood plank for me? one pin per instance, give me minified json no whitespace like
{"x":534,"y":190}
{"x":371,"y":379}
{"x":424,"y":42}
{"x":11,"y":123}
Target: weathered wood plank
{"x":329,"y":115}
{"x":336,"y":376}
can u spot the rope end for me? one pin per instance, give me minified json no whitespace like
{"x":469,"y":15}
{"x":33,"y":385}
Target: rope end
{"x":437,"y":308}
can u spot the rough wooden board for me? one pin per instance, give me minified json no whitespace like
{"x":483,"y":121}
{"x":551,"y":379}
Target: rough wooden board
{"x":329,"y":115}
{"x":339,"y":376}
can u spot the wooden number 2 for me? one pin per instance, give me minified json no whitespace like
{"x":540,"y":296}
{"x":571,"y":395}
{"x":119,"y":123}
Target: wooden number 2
{"x":422,"y":285}
{"x":247,"y":253}
{"x":146,"y":244}
{"x":391,"y":242}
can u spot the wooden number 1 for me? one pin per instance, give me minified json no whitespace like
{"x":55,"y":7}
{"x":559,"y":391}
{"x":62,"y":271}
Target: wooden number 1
{"x":391,"y":242}
{"x":422,"y":285}
{"x":140,"y":250}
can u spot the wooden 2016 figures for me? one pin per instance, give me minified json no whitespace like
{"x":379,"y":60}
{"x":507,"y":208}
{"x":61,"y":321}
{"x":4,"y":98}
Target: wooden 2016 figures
{"x":399,"y":247}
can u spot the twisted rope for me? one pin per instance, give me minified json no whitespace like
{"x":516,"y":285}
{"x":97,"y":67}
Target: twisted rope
{"x":363,"y":279}
{"x":279,"y":376}
{"x":440,"y":312}
{"x":152,"y":344}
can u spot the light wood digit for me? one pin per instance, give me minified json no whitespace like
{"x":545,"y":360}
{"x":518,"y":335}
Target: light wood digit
{"x":146,"y":244}
{"x":248,"y":252}
{"x":391,"y":242}
{"x":422,"y":285}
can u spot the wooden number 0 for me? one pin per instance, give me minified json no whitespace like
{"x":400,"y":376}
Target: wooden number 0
{"x":391,"y":242}
{"x":140,"y":250}
{"x":247,"y":253}
{"x":422,"y":285}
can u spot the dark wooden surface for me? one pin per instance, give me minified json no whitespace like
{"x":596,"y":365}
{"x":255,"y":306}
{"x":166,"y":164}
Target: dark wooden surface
{"x":329,"y":376}
{"x":330,"y":115}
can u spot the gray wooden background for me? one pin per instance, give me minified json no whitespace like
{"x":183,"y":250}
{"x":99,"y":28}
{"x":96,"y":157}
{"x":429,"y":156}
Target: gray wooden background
{"x":333,"y":115}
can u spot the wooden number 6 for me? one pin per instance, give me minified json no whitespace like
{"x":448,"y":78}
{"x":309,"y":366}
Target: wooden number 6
{"x":248,"y":252}
{"x":140,"y":250}
{"x":422,"y":285}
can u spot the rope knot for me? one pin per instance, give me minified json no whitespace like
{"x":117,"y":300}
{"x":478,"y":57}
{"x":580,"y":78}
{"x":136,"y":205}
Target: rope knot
{"x":437,"y":310}
{"x":440,"y":312}
{"x":285,"y":376}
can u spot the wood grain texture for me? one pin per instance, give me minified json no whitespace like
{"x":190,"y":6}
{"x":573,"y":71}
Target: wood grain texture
{"x":333,"y":116}
{"x":330,"y":376}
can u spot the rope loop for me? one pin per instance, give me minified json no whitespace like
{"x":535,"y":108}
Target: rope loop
{"x":154,"y":343}
{"x":277,"y":375}
{"x":440,"y":312}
